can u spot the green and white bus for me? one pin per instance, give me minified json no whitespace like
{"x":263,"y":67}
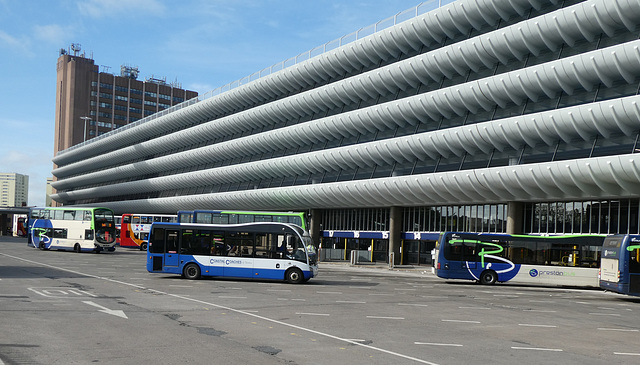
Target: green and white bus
{"x":80,"y":229}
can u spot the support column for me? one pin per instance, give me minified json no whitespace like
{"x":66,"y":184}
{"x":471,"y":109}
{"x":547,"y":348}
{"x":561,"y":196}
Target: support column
{"x":395,"y":234}
{"x":515,"y":217}
{"x":315,"y":226}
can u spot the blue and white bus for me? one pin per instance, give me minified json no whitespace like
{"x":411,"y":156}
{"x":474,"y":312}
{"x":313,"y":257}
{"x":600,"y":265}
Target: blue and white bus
{"x":276,"y":251}
{"x":78,"y":229}
{"x":620,"y":264}
{"x":541,"y":260}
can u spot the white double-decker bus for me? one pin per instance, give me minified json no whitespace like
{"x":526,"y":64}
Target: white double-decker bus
{"x":79,"y":229}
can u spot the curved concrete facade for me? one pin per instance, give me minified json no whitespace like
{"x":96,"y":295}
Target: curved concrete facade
{"x":477,"y":102}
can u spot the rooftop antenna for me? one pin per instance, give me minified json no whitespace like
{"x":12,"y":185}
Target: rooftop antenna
{"x":76,"y":48}
{"x":129,"y":71}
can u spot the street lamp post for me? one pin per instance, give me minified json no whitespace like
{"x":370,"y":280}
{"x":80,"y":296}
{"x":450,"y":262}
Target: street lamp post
{"x":86,"y":119}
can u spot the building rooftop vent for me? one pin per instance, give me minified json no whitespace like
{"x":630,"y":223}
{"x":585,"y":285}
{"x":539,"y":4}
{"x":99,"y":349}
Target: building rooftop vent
{"x":130,"y":72}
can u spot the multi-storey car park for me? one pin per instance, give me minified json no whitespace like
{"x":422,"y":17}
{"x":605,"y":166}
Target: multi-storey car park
{"x":515,"y":116}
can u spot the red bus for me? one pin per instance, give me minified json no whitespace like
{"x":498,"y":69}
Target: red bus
{"x":134,"y":228}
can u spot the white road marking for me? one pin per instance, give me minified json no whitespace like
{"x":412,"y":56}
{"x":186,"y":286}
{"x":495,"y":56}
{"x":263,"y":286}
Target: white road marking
{"x":312,"y":314}
{"x":414,"y":305}
{"x":618,"y":329}
{"x":458,"y":321}
{"x":378,"y":317}
{"x":113,"y":312}
{"x":437,"y":344}
{"x":535,"y":349}
{"x":537,"y":325}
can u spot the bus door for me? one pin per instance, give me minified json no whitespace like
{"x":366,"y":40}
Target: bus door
{"x":171,"y":255}
{"x":634,"y":270}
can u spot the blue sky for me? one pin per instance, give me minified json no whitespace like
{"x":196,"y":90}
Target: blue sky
{"x":203,"y":44}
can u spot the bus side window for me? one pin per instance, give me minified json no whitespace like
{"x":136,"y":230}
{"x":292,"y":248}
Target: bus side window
{"x":187,"y":244}
{"x":218,"y":246}
{"x":453,"y":250}
{"x":264,"y":247}
{"x":171,"y":241}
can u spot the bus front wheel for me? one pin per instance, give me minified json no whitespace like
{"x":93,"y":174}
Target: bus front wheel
{"x":192,"y":271}
{"x":488,"y":277}
{"x":143,"y":246}
{"x":294,"y":276}
{"x":76,"y":248}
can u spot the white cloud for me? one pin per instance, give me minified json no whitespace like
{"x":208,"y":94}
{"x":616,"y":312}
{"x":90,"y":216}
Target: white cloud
{"x":20,"y":45}
{"x":111,"y":8}
{"x":53,"y":34}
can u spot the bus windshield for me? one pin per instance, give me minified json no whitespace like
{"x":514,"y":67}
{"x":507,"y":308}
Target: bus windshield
{"x":104,"y":225}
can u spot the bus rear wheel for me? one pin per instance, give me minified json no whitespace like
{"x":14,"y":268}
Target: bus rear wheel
{"x":488,"y":277}
{"x":143,"y":246}
{"x":192,"y":271}
{"x":294,"y":276}
{"x":77,"y":248}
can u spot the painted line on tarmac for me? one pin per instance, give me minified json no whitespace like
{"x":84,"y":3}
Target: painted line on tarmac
{"x":459,"y":321}
{"x":538,"y":311}
{"x":327,"y":335}
{"x":378,"y":317}
{"x":414,"y":304}
{"x":537,"y":325}
{"x":438,"y":344}
{"x":535,"y":349}
{"x":605,"y":314}
{"x":618,"y":329}
{"x":626,"y":353}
